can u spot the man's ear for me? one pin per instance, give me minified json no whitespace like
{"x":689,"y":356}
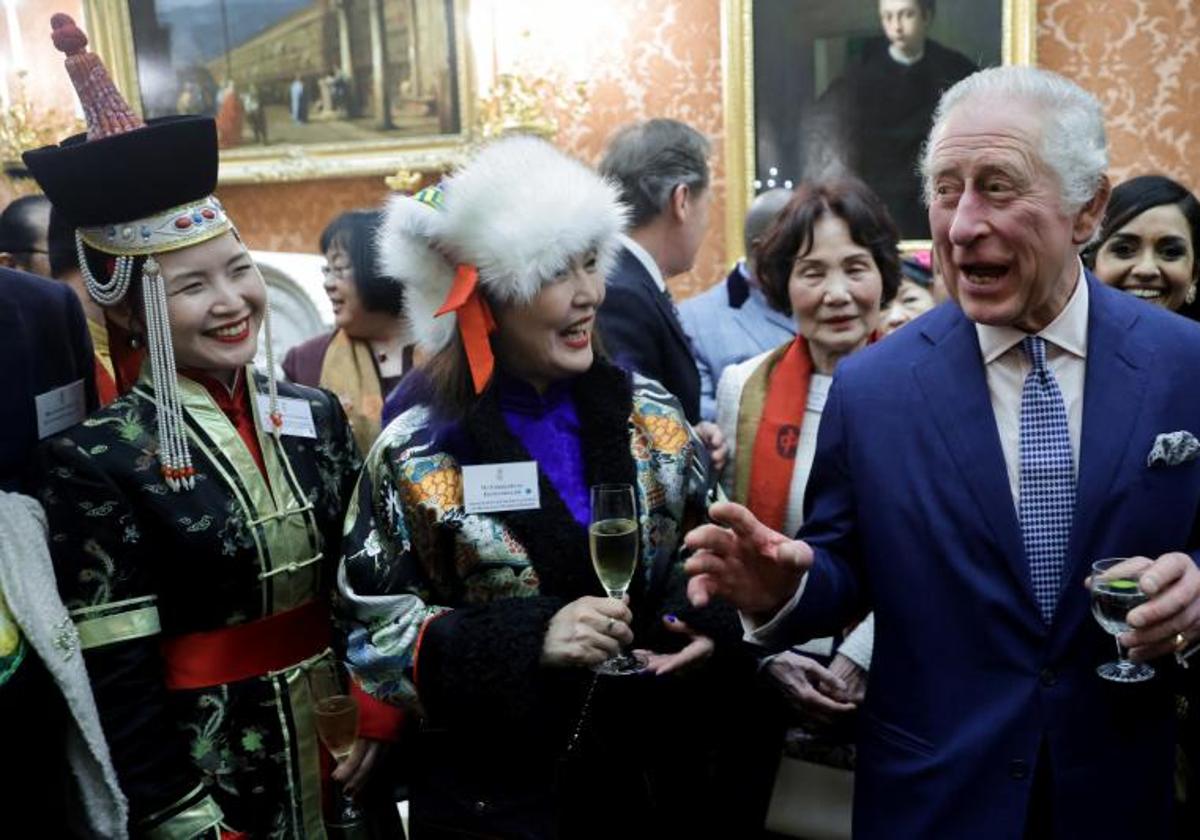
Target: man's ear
{"x":681,"y":202}
{"x":1089,"y":215}
{"x":7,"y":260}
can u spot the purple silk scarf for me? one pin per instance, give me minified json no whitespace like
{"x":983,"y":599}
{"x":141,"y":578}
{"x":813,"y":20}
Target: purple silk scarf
{"x":548,"y":427}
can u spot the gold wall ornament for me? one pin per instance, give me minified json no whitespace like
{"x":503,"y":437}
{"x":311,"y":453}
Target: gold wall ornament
{"x":23,"y":126}
{"x":517,"y":105}
{"x":404,"y":180}
{"x":1017,"y":41}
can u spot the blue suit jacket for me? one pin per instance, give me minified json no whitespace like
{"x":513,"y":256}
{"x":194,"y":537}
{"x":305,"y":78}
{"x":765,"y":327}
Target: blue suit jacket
{"x":728,"y":324}
{"x":44,"y":344}
{"x":910,"y":513}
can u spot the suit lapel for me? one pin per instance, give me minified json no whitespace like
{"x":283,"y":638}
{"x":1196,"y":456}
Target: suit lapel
{"x":632,"y":265}
{"x":1113,"y":391}
{"x":954,"y":382}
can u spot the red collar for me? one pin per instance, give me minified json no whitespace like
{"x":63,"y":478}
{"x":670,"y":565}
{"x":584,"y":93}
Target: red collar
{"x":234,"y":404}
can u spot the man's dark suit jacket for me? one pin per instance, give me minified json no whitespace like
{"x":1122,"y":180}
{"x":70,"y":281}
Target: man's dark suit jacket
{"x":642,"y":332}
{"x":44,"y":344}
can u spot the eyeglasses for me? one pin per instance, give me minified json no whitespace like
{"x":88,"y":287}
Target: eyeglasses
{"x":342,"y":272}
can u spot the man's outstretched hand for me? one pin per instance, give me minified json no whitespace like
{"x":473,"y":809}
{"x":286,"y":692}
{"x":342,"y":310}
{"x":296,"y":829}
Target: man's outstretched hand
{"x":743,"y":561}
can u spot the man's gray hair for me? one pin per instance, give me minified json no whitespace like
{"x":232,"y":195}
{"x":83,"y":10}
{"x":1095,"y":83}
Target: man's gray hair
{"x":1073,"y":142}
{"x":647,"y":160}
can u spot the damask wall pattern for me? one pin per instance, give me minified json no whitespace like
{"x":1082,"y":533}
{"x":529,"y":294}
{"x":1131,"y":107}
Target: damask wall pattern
{"x":1142,"y":59}
{"x":632,"y":60}
{"x":291,"y":216}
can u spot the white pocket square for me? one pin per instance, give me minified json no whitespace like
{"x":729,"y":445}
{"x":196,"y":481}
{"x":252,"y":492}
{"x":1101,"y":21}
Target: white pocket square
{"x":1173,"y":448}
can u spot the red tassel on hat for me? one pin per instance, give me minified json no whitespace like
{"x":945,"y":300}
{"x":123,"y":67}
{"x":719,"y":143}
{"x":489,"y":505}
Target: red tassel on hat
{"x":106,"y":111}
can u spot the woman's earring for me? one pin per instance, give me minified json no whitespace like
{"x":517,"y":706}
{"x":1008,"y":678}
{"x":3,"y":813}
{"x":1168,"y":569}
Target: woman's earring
{"x":1190,"y":297}
{"x":136,"y":342}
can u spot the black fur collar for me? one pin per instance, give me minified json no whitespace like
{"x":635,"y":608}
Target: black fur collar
{"x":557,"y":545}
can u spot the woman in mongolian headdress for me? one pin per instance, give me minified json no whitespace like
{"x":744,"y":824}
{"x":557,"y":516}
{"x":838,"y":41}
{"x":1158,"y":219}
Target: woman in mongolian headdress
{"x":195,"y":522}
{"x":487,"y":618}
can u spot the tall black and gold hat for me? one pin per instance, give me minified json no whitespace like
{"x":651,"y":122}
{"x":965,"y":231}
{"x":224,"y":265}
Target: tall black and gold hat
{"x":131,"y":187}
{"x":134,"y":189}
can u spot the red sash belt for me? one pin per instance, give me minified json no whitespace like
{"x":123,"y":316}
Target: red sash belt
{"x":201,"y":660}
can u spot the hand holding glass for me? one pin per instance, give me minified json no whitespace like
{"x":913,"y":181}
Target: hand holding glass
{"x":1115,"y":591}
{"x":613,"y":541}
{"x":335,"y":713}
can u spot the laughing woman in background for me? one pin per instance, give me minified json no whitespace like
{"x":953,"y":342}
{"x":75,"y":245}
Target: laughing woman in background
{"x":1148,"y":243}
{"x":369,"y":350}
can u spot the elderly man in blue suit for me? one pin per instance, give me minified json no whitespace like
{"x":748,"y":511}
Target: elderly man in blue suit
{"x":732,"y":321}
{"x":969,"y":470}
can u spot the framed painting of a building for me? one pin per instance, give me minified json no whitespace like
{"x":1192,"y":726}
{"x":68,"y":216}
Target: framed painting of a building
{"x":299,"y":88}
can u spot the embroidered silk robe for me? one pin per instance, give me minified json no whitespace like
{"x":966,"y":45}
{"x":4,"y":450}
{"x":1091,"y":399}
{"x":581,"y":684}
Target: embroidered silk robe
{"x":448,"y":610}
{"x":137,"y":563}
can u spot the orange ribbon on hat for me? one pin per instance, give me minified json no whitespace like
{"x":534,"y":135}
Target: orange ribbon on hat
{"x":475,"y":323}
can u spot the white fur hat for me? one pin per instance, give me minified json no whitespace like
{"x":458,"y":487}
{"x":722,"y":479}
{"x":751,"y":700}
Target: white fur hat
{"x":518,"y":212}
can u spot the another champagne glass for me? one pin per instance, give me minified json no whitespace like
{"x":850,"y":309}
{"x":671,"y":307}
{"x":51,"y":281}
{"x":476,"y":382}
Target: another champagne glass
{"x":1114,"y":593}
{"x":613,"y":540}
{"x":335,"y":713}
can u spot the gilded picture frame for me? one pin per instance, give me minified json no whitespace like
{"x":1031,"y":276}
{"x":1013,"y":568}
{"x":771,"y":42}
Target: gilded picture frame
{"x":405,"y":146}
{"x":1017,"y":45}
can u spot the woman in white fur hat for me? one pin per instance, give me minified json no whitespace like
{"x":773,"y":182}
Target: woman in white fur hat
{"x":489,"y":621}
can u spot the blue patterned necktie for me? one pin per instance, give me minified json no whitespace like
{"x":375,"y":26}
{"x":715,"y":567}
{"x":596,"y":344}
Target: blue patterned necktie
{"x":1047,"y":490}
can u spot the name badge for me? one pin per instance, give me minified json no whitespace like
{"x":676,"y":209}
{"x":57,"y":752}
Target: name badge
{"x":60,"y":409}
{"x":488,"y":488}
{"x":297,"y":416}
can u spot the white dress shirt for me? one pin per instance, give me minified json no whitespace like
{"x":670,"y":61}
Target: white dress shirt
{"x":1007,"y":366}
{"x":647,"y":261}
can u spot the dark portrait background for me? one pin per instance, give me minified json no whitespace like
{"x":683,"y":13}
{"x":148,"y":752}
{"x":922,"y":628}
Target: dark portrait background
{"x":803,"y":47}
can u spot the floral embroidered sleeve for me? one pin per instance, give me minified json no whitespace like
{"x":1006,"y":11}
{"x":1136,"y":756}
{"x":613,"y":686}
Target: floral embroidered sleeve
{"x":104,"y":562}
{"x":383,"y":593}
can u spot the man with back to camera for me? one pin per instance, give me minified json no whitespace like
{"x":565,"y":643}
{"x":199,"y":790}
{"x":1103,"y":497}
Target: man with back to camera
{"x":969,"y":471}
{"x":661,"y":168}
{"x":23,"y":229}
{"x":732,"y":321}
{"x":877,"y":114}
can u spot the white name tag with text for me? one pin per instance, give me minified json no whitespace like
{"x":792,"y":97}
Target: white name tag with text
{"x":488,"y":488}
{"x":297,"y":416}
{"x":60,"y":409}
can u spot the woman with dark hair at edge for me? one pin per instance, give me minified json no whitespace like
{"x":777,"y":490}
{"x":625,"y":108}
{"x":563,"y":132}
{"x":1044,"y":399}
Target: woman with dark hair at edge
{"x":1148,"y":243}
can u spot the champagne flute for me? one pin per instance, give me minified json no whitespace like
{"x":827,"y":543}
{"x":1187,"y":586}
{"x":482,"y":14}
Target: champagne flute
{"x":1114,"y":593}
{"x":335,"y":714}
{"x":613,"y":542}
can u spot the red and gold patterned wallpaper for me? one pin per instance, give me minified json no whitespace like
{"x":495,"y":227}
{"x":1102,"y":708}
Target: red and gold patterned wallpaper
{"x":1142,"y":58}
{"x":634,"y":59}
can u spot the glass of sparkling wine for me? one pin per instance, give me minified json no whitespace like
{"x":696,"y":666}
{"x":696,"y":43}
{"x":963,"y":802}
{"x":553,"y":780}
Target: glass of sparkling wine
{"x":1115,"y":592}
{"x":335,"y":713}
{"x":613,"y":541}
